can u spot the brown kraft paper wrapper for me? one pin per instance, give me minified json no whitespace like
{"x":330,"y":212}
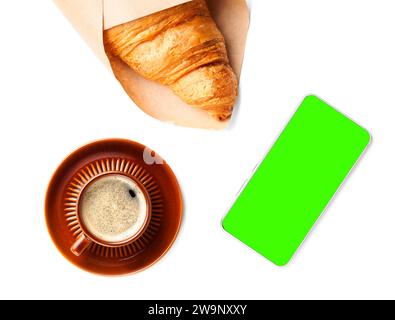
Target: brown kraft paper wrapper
{"x":91,"y":17}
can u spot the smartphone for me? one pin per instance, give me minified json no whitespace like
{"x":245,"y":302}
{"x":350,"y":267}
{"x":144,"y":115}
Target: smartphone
{"x":296,"y":181}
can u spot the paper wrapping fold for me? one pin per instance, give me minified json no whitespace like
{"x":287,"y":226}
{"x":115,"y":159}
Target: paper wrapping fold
{"x":91,"y":17}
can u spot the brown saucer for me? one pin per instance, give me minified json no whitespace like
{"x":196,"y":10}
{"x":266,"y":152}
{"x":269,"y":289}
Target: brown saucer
{"x":126,"y":158}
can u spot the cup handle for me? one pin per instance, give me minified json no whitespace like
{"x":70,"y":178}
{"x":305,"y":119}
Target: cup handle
{"x":80,"y":245}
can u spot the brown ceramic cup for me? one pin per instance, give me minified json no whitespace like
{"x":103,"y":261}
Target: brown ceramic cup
{"x":71,"y":181}
{"x":87,"y":237}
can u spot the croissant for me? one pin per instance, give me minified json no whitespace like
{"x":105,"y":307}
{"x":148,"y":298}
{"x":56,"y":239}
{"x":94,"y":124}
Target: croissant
{"x":183,"y":49}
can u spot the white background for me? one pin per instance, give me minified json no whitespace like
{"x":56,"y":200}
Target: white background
{"x":55,"y":96}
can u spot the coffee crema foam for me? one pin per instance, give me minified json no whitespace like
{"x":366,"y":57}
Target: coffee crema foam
{"x":113,"y":208}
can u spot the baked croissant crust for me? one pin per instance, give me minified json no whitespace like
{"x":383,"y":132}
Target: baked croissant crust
{"x":183,"y":49}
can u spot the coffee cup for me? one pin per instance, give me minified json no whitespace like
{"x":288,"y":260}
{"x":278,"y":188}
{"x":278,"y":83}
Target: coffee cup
{"x":113,"y":210}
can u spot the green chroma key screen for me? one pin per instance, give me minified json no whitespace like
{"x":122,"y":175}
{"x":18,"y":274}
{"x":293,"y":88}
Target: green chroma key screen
{"x":296,"y":181}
